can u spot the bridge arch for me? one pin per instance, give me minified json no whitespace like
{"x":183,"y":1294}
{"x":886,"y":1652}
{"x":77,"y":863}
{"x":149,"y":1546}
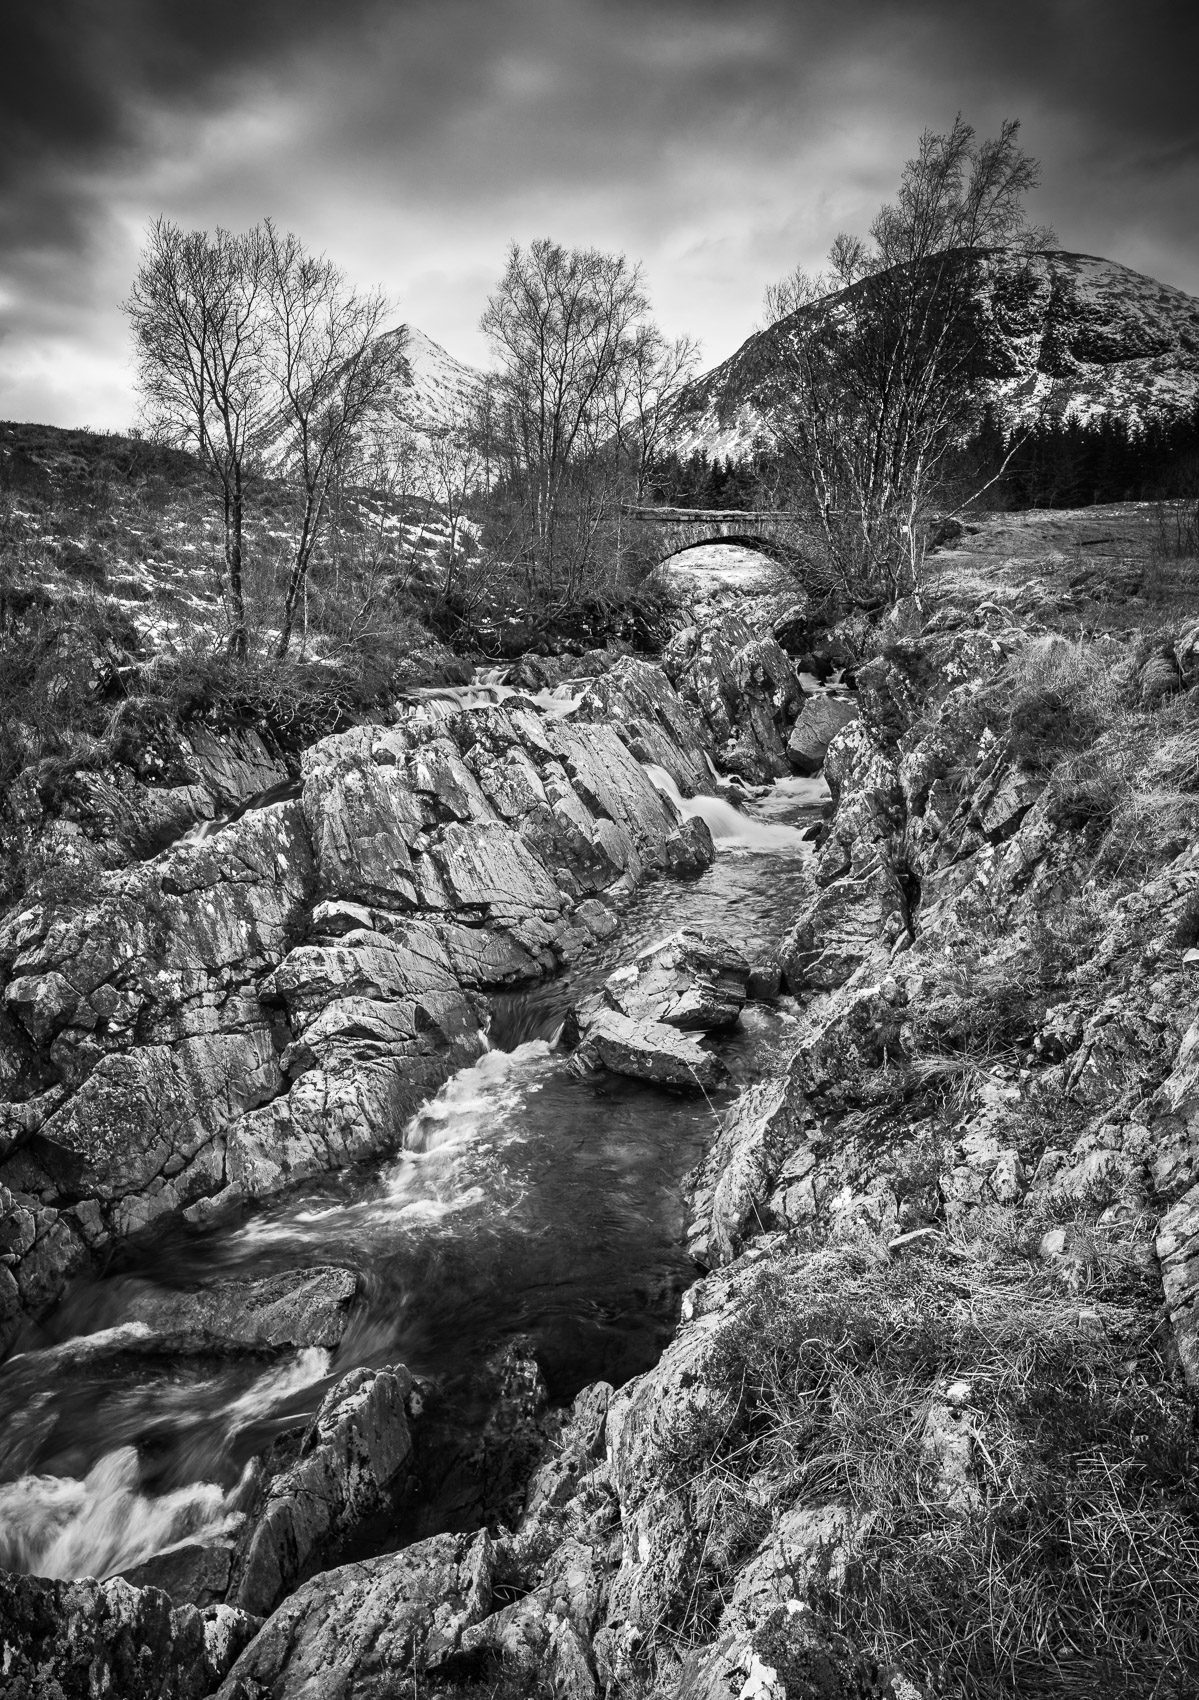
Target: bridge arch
{"x":676,"y":530}
{"x":697,"y":536}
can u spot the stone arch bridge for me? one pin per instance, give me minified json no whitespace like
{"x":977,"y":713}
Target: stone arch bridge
{"x":669,"y":531}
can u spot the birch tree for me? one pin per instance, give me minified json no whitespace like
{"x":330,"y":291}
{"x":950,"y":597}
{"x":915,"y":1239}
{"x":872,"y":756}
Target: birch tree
{"x":260,"y":356}
{"x":883,"y":354}
{"x":200,"y":334}
{"x":561,"y":322}
{"x":333,"y":372}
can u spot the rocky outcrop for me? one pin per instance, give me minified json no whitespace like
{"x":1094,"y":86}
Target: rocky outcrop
{"x":78,"y":1640}
{"x":180,"y":787}
{"x":739,"y":1171}
{"x":861,"y":904}
{"x":252,"y":1008}
{"x":659,"y":727}
{"x":811,"y":1551}
{"x":370,"y":1628}
{"x":1178,"y":1252}
{"x":744,"y":688}
{"x":351,"y":1455}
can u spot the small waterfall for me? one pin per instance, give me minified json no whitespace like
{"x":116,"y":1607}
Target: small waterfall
{"x":731,"y":829}
{"x":438,"y":702}
{"x":472,"y":1100}
{"x":58,"y":1526}
{"x":276,"y":1386}
{"x":63,"y":1526}
{"x":286,"y":789}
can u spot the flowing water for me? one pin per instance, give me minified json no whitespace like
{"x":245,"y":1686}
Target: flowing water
{"x":522,"y":1201}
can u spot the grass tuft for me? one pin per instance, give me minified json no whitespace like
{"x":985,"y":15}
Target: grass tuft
{"x":1074,"y":1557}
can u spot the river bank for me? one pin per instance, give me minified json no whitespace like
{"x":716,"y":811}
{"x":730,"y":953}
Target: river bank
{"x":926,"y":1365}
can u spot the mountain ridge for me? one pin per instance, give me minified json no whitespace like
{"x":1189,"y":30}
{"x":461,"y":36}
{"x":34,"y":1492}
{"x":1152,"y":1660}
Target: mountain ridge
{"x":1071,"y":334}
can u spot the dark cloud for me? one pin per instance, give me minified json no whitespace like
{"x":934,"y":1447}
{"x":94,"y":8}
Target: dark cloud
{"x":413,"y":138}
{"x":74,"y":72}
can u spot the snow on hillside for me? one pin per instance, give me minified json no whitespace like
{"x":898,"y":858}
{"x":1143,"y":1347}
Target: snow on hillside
{"x":133,"y":529}
{"x":1078,"y":334}
{"x":438,"y":397}
{"x":442,"y":388}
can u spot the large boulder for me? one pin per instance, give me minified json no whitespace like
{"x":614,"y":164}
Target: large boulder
{"x":820,"y":719}
{"x":371,"y":1628}
{"x":647,"y":1050}
{"x":689,"y":980}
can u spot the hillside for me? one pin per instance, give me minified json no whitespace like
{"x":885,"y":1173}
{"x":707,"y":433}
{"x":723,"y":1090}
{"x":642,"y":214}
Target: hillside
{"x":442,"y":387}
{"x":1085,"y":335}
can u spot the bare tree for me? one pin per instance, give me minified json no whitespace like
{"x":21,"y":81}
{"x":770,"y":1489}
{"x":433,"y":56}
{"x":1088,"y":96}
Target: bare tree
{"x":649,"y":382}
{"x":254,"y":352}
{"x":200,"y":333}
{"x":455,"y":462}
{"x":561,"y":322}
{"x":798,"y":289}
{"x":333,"y":371}
{"x":880,"y":376}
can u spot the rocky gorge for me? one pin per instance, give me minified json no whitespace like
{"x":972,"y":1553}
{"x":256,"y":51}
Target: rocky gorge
{"x":914,"y":1416}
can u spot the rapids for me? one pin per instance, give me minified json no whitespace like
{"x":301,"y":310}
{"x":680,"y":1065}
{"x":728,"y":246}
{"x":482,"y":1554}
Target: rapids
{"x":521,"y":1201}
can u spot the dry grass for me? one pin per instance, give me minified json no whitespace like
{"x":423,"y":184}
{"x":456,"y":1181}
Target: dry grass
{"x":1075,"y":1560}
{"x":1135,"y":791}
{"x":1060,"y":697}
{"x":1121,"y":770}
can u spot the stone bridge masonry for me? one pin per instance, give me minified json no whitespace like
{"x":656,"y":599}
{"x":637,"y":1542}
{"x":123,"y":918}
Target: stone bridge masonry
{"x":779,"y":534}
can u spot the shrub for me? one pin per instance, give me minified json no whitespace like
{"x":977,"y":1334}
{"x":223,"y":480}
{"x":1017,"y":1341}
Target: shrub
{"x":294,"y":701}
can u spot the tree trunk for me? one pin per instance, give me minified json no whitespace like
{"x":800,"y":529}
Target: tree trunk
{"x":299,"y":576}
{"x":288,"y":618}
{"x":233,"y":562}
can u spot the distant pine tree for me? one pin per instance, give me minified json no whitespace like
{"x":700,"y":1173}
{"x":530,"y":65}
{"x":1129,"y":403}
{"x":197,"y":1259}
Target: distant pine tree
{"x":1071,"y":464}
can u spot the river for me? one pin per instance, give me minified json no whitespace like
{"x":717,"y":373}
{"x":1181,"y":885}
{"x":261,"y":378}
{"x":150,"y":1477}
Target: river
{"x":521,"y":1202}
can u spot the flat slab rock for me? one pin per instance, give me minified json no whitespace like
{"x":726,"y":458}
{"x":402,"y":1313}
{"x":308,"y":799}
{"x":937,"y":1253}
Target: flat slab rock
{"x":690,"y":980}
{"x":648,"y":1050}
{"x":294,"y":1309}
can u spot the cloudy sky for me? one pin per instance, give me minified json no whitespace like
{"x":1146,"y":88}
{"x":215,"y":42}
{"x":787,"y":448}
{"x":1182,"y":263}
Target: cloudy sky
{"x":718,"y":141}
